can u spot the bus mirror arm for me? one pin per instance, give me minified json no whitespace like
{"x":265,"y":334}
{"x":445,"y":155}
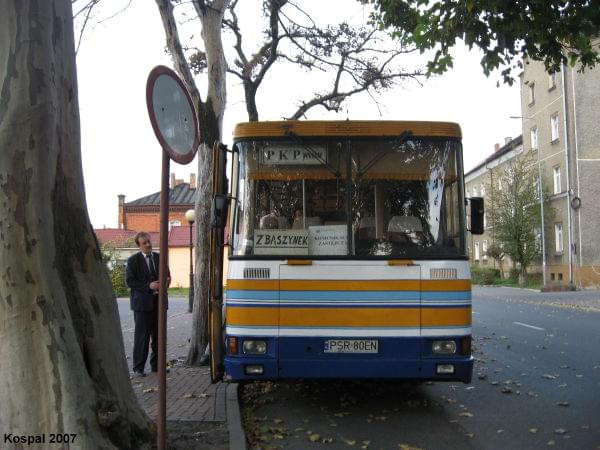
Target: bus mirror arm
{"x":220,"y":210}
{"x":477,"y":214}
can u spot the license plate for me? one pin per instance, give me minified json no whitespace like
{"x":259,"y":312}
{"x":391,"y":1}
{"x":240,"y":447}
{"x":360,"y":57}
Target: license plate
{"x":351,"y":346}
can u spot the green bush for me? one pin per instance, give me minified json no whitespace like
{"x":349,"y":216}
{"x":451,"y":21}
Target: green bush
{"x":484,"y":275}
{"x":513,"y":274}
{"x":117,"y":278}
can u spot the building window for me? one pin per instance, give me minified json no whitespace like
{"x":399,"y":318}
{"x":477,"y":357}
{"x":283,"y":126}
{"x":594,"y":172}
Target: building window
{"x":558,"y":237}
{"x":554,"y":127}
{"x":557,"y":189}
{"x":531,"y":93}
{"x":534,"y":138}
{"x":484,"y":249}
{"x":551,"y":80}
{"x":476,"y":251}
{"x":536,"y":187}
{"x":538,"y":239}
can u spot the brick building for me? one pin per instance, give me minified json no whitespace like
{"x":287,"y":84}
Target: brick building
{"x":143,"y":213}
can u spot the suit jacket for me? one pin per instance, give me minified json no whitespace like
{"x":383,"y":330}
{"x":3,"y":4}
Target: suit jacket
{"x":138,"y":279}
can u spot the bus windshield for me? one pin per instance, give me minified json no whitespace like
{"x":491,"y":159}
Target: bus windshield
{"x":350,"y":198}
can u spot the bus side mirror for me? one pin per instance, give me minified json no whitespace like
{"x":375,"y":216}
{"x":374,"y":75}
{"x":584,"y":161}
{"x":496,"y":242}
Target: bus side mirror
{"x":220,"y":209}
{"x":476,"y":215}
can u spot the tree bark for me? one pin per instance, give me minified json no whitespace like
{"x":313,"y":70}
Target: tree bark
{"x":210,"y":115}
{"x":63,"y":366}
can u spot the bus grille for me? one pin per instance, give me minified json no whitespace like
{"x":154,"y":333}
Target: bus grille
{"x":442,"y":274}
{"x":257,"y":272}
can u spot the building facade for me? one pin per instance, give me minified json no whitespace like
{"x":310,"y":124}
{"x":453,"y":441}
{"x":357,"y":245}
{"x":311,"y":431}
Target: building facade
{"x":484,"y":180}
{"x":560,"y":118}
{"x":143,"y":214}
{"x":560,"y":115}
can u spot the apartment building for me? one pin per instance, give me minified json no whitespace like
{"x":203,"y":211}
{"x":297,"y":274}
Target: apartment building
{"x":560,"y":115}
{"x":485,"y":180}
{"x":561,"y":127}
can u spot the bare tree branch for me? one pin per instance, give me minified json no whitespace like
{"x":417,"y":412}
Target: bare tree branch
{"x":165,"y":8}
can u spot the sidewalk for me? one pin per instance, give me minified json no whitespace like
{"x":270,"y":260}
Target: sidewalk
{"x":200,"y":415}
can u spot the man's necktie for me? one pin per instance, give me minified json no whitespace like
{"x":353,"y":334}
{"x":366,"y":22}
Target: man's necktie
{"x":151,"y":266}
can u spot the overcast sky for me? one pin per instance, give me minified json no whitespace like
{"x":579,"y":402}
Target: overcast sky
{"x":121,"y":155}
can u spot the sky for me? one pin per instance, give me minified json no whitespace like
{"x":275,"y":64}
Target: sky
{"x":120,"y":154}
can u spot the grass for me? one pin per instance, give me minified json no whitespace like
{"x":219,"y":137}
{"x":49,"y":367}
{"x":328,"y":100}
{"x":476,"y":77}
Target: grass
{"x":509,"y":282}
{"x":179,"y":292}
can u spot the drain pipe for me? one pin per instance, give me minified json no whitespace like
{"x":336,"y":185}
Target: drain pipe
{"x":566,"y":133}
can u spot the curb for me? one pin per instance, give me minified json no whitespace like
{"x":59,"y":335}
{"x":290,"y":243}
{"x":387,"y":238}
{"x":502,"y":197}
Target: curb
{"x":237,"y":438}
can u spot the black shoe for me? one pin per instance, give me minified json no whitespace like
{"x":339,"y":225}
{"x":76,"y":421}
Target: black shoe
{"x":204,"y":360}
{"x":155,"y":369}
{"x":138,"y":374}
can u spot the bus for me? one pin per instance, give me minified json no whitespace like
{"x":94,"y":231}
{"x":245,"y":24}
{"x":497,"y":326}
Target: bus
{"x":347,"y":253}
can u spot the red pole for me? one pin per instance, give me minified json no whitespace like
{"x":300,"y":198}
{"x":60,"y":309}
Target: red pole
{"x":161,"y":417}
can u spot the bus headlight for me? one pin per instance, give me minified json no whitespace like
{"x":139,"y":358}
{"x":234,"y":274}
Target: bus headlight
{"x":255,"y":347}
{"x":445,"y":347}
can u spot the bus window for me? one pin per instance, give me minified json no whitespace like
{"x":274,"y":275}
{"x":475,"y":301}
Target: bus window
{"x":292,"y":199}
{"x":405,"y":200}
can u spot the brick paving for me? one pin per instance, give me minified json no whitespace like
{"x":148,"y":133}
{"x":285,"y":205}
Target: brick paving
{"x":190,"y":395}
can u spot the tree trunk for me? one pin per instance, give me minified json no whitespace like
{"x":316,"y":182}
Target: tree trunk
{"x":522,"y":276}
{"x":63,"y":366}
{"x":210,"y":115}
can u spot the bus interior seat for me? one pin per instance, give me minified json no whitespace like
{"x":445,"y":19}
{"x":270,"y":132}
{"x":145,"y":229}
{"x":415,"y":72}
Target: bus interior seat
{"x":269,"y":222}
{"x":366,"y":228}
{"x":284,"y":224}
{"x":310,"y":222}
{"x":400,"y":228}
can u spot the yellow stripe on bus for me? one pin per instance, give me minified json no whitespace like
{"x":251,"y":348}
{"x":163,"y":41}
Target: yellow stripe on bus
{"x":348,"y":317}
{"x":345,"y":128}
{"x":446,"y":285}
{"x":437,"y":317}
{"x":254,"y":285}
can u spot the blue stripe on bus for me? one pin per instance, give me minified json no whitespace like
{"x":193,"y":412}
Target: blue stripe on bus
{"x":349,"y":295}
{"x":446,"y":295}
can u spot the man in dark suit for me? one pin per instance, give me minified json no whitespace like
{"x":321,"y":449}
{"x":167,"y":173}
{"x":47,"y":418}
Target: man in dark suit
{"x":142,"y":278}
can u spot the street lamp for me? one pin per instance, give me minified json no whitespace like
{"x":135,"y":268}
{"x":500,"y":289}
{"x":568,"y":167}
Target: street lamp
{"x":190,"y":216}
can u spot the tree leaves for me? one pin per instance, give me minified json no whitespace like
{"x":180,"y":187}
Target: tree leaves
{"x":552,"y":31}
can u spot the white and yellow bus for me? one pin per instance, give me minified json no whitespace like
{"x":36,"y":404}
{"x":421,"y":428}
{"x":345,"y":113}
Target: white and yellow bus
{"x":348,"y":254}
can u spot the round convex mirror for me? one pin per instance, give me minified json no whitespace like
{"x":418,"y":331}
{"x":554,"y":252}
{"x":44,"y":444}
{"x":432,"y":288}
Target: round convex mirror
{"x":172,"y":114}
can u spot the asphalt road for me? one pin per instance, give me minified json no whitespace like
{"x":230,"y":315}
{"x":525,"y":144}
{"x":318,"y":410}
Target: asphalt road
{"x":179,"y":328}
{"x":536,"y":384}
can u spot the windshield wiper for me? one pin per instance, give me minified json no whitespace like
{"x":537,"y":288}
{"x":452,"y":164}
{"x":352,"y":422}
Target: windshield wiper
{"x":401,"y":139}
{"x":336,"y":173}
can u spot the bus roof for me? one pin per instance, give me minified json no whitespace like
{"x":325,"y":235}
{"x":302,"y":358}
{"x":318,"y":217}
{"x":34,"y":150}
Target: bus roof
{"x":370,"y":128}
